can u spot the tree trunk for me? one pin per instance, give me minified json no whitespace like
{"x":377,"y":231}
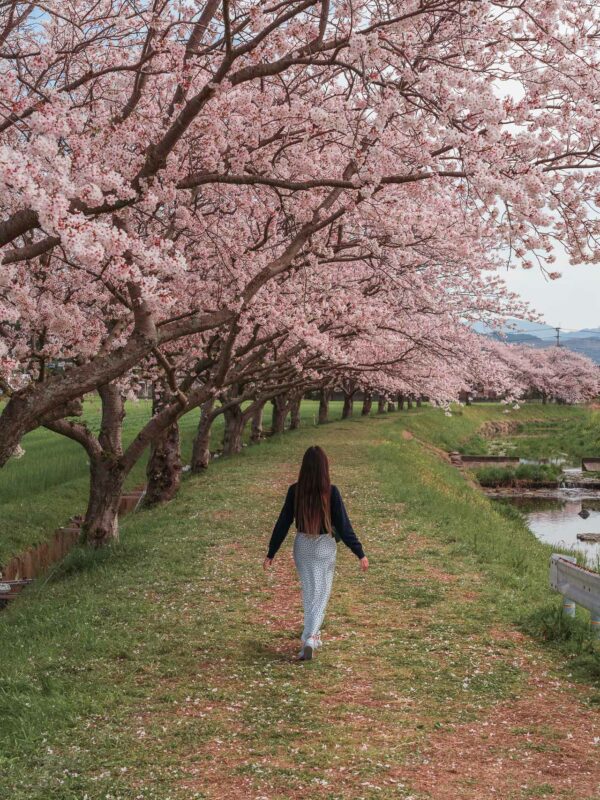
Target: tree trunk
{"x":107,"y":473}
{"x":366,"y":406}
{"x":280,"y":412}
{"x":348,"y":406}
{"x":163,"y":471}
{"x":400,"y":402}
{"x":381,"y":404}
{"x":419,"y":402}
{"x":164,"y":468}
{"x":324,"y":405}
{"x":391,"y":406}
{"x":101,"y":523}
{"x":295,"y":414}
{"x":409,"y":403}
{"x":234,"y":428}
{"x":201,"y":446}
{"x":256,"y":433}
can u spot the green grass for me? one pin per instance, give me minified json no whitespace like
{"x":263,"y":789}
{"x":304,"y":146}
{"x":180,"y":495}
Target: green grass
{"x":554,"y":432}
{"x":460,"y":431}
{"x":161,"y":668}
{"x":522,"y":475}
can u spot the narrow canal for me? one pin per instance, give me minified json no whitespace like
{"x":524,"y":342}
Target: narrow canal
{"x":558,"y":519}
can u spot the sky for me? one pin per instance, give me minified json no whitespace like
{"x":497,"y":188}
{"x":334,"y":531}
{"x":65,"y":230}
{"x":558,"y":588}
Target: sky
{"x":572,"y":301}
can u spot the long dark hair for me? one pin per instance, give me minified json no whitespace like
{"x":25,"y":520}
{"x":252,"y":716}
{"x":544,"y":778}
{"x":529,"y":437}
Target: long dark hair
{"x":312,"y":503}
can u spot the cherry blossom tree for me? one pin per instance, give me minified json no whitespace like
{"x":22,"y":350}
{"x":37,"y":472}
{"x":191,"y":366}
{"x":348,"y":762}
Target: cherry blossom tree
{"x":306,"y":330}
{"x":560,"y":374}
{"x":513,"y":371}
{"x":326,"y":334}
{"x":177,"y":159}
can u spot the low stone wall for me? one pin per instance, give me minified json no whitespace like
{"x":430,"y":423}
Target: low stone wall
{"x":501,"y":427}
{"x":590,"y":464}
{"x":36,"y":560}
{"x":501,"y":461}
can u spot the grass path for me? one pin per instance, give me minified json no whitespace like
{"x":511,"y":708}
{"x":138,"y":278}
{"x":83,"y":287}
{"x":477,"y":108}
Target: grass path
{"x":166,"y":669}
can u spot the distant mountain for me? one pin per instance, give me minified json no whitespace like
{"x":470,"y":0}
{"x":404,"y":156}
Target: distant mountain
{"x":589,"y":346}
{"x":535,"y":334}
{"x":518,"y":326}
{"x":585,"y":333}
{"x":519,"y":338}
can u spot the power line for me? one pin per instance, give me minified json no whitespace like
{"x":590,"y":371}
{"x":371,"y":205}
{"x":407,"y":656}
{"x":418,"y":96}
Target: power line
{"x":546,"y":329}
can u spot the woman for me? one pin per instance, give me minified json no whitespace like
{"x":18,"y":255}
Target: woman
{"x":321,"y":521}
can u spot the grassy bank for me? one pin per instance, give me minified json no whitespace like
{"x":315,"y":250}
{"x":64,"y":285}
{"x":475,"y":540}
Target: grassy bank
{"x":524,"y":475}
{"x":461,"y":430}
{"x":163,"y":668}
{"x":546,"y":432}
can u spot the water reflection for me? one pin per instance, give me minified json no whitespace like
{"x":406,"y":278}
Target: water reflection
{"x":557,"y":521}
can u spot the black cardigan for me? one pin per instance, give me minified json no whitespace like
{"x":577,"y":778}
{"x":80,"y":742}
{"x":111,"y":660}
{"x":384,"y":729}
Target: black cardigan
{"x":339,"y":519}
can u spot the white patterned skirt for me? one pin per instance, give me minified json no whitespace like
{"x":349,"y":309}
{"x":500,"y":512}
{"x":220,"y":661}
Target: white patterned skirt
{"x":314,"y":557}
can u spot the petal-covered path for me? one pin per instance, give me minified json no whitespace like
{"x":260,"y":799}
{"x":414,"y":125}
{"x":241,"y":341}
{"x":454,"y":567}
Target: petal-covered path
{"x":417,"y":693}
{"x":424,"y":689}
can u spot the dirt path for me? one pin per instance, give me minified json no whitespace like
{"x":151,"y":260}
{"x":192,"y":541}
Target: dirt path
{"x":418,"y":693}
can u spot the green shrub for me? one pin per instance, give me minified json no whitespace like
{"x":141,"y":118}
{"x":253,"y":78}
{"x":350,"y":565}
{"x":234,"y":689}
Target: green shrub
{"x":538,"y":472}
{"x":495,"y":476}
{"x":522,"y":474}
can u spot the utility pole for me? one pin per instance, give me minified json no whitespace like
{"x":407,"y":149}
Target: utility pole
{"x":557,"y":336}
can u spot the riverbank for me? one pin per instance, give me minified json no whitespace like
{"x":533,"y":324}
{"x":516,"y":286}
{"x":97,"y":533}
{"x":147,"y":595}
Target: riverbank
{"x":566,"y":434}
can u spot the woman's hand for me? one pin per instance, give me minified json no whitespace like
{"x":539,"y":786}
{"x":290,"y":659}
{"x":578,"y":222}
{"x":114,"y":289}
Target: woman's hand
{"x":364,"y":564}
{"x":267,"y":563}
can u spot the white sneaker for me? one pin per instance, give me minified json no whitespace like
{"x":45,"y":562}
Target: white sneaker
{"x":301,"y":653}
{"x":306,"y":653}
